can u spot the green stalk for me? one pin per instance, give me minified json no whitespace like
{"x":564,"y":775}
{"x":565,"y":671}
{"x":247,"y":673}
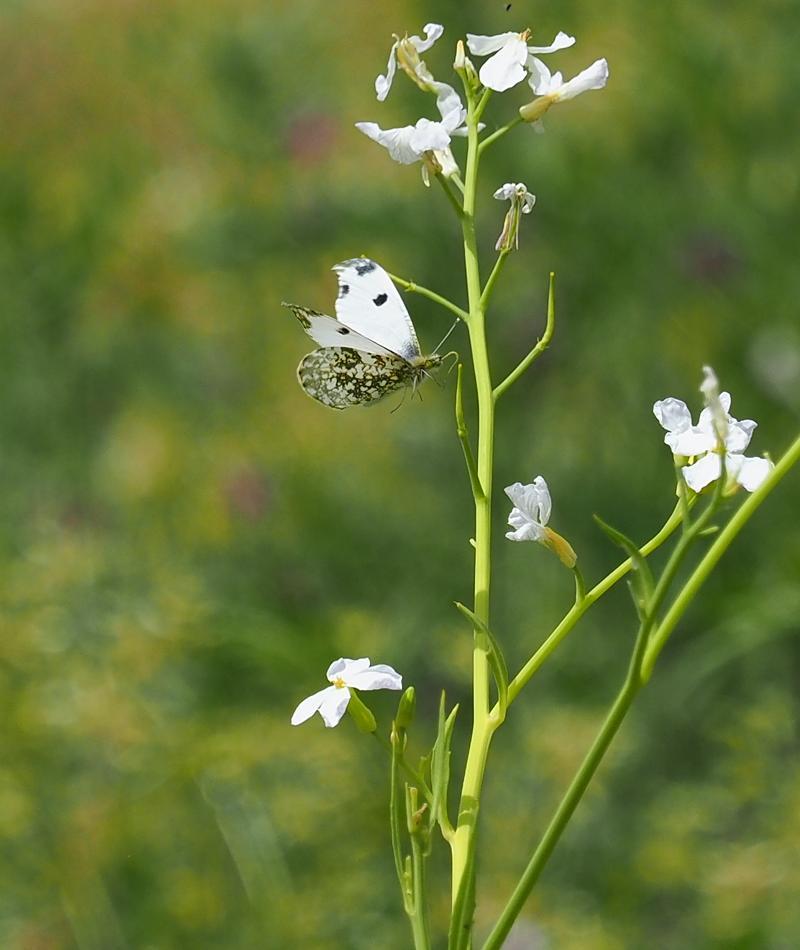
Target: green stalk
{"x":721,"y":544}
{"x":582,"y":605}
{"x":462,"y":842}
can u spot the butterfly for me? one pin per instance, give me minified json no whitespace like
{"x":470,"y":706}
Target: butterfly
{"x":370,"y":349}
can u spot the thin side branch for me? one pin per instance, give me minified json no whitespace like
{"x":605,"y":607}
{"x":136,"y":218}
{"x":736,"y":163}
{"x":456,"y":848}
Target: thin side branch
{"x":463,"y":438}
{"x":413,"y":288}
{"x":451,"y":195}
{"x":489,"y":288}
{"x":499,"y":134}
{"x":540,"y":347}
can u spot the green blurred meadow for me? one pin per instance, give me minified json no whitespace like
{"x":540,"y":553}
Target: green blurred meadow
{"x":187,"y":540}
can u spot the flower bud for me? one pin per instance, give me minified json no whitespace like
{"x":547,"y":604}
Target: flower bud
{"x":406,"y":708}
{"x":361,"y":715}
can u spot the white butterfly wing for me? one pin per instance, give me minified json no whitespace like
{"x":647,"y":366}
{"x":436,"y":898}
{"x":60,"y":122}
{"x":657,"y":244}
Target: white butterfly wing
{"x":369,"y":304}
{"x":327,"y":331}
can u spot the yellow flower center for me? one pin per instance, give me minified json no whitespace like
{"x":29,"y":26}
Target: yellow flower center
{"x":339,"y":683}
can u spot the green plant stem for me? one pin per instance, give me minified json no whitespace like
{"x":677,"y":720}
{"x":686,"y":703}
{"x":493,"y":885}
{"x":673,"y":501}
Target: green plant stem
{"x":540,"y":347}
{"x":619,"y":709}
{"x":452,"y":198}
{"x":411,"y":773}
{"x":418,"y":915}
{"x":413,"y":288}
{"x":714,"y":553}
{"x":581,"y":606}
{"x":499,"y":133}
{"x":563,"y":814}
{"x":648,"y":646}
{"x":489,"y":288}
{"x":482,"y":728}
{"x":463,"y":437}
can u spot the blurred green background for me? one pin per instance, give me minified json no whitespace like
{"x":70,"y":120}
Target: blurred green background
{"x":187,"y":540}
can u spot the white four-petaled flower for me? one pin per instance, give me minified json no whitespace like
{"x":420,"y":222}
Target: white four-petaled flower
{"x":344,"y":675}
{"x":716,"y":434}
{"x":510,"y":57}
{"x":531,"y":511}
{"x":529,"y":518}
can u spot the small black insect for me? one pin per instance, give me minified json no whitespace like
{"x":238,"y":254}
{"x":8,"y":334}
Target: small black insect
{"x":380,"y":300}
{"x":343,"y":330}
{"x":508,"y":7}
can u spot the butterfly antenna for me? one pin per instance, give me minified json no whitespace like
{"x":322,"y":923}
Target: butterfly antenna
{"x":444,"y":338}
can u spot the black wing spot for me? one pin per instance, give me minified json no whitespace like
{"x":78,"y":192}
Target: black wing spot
{"x":344,"y":290}
{"x":365,"y":267}
{"x":343,"y":330}
{"x":380,"y":300}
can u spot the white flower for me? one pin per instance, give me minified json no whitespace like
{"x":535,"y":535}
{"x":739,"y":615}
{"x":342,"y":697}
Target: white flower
{"x":545,"y":83}
{"x":716,"y":434}
{"x":410,"y":143}
{"x":511,"y":56}
{"x":522,"y":201}
{"x":345,"y":674}
{"x":406,"y":49}
{"x":531,"y":510}
{"x":529,"y":518}
{"x":517,"y":193}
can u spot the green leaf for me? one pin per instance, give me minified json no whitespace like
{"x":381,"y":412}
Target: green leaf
{"x":440,"y":768}
{"x":641,"y":585}
{"x":497,"y":661}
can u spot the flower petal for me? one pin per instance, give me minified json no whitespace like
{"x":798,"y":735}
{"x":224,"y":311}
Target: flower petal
{"x":384,"y":83}
{"x":526,"y":530}
{"x":748,"y":472}
{"x":346,"y":668}
{"x":428,"y":136}
{"x":561,"y":41}
{"x":506,"y":68}
{"x":593,"y":77}
{"x":540,"y":78}
{"x":379,"y":676}
{"x":398,"y":142}
{"x":531,"y":501}
{"x":739,"y":434}
{"x":506,"y":192}
{"x":694,"y":441}
{"x":334,"y":705}
{"x":432,"y":33}
{"x":310,"y":705}
{"x":673,"y":414}
{"x":703,"y":472}
{"x":484,"y":45}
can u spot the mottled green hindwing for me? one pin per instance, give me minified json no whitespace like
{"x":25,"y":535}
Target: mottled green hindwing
{"x":340,"y":377}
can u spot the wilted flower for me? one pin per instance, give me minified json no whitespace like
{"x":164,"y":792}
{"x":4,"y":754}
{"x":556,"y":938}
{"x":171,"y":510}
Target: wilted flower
{"x":510,"y":56}
{"x":551,"y":88}
{"x":406,"y":52}
{"x":529,"y":517}
{"x":716,"y":435}
{"x":344,"y":675}
{"x":522,"y":201}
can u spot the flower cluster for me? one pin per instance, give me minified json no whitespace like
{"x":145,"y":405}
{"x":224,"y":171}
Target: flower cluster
{"x":510,"y":60}
{"x":715,"y":444}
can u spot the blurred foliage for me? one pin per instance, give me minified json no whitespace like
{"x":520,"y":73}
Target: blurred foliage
{"x":187,"y":540}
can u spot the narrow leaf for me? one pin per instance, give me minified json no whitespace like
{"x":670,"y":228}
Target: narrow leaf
{"x":497,"y":661}
{"x":440,"y":768}
{"x":643,"y":584}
